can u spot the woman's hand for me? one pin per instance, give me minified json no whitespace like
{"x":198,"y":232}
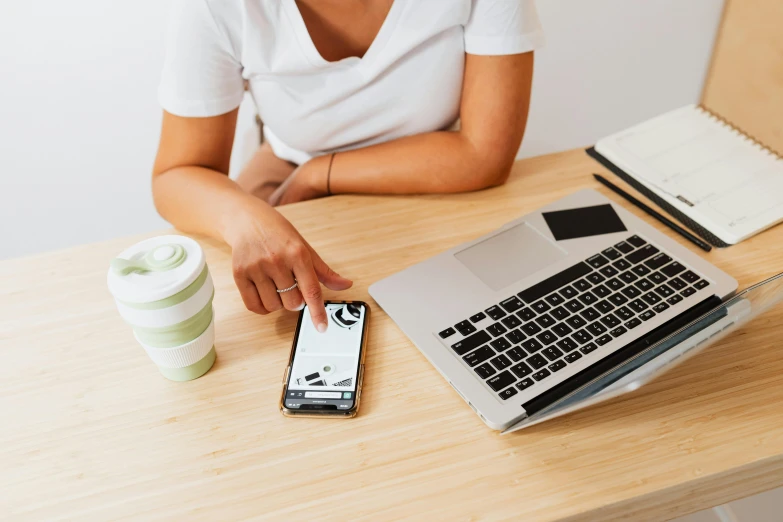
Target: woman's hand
{"x":307,"y":182}
{"x":269,"y":254}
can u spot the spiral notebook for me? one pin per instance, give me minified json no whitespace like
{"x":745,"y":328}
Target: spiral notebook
{"x":708,"y":173}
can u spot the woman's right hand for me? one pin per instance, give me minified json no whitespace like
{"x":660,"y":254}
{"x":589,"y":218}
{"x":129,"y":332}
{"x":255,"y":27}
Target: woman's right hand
{"x":269,"y":254}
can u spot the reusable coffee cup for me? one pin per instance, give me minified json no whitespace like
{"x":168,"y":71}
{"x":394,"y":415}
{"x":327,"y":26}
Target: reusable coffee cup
{"x":163,"y":290}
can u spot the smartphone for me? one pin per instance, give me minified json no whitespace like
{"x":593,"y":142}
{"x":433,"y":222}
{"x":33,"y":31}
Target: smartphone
{"x":325,"y":370}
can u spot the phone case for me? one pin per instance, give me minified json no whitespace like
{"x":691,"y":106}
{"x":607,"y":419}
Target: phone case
{"x":359,"y":379}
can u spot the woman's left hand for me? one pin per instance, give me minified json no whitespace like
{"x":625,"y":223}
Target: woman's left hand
{"x":307,"y":182}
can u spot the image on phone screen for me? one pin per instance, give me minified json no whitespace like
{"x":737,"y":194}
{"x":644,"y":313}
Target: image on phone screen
{"x":325,"y":366}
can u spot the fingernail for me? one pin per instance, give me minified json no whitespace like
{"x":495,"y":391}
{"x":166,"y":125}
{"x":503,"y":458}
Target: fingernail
{"x":300,"y":307}
{"x":321,"y":327}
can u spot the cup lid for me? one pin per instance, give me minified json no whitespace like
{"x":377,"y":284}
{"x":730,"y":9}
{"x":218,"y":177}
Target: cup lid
{"x":155,"y":269}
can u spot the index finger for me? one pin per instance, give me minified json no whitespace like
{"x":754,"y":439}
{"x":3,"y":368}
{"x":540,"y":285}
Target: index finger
{"x":311,"y":292}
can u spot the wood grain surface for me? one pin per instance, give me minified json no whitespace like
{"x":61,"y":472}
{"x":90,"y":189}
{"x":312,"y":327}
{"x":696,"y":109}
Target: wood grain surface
{"x":91,"y":431}
{"x":745,"y":82}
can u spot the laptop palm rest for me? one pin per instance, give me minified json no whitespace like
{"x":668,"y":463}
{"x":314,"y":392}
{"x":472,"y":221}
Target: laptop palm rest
{"x":510,"y":255}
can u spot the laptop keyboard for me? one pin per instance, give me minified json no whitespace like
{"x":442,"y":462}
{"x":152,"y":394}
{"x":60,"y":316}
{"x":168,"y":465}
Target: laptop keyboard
{"x":552,"y":324}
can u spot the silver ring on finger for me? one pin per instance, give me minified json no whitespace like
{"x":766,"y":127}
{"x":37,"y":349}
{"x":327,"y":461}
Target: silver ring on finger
{"x":293,"y":286}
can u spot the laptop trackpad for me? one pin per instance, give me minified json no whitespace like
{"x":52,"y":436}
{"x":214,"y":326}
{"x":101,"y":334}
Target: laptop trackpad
{"x":509,"y":256}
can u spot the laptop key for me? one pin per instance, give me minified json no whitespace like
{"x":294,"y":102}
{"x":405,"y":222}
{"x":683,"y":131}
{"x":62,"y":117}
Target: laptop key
{"x":560,"y":313}
{"x":615,"y":284}
{"x":601,"y":291}
{"x":572,"y":357}
{"x":660,"y":307}
{"x":628,"y":277}
{"x":638,"y":305}
{"x":496,"y":329}
{"x":651,"y":298}
{"x":631,"y":291}
{"x":532,"y":345}
{"x":568,"y":291}
{"x":609,"y":271}
{"x":541,"y":374}
{"x":495,"y":312}
{"x":507,"y":393}
{"x":664,"y":291}
{"x":641,"y":270}
{"x":557,"y":366}
{"x":640,"y":255}
{"x":636,"y":241}
{"x":521,"y":370}
{"x":576,"y":321}
{"x":624,"y":313}
{"x":657,"y":278}
{"x":688,"y":292}
{"x":603,"y":339}
{"x":621,"y":264}
{"x":554,"y":299}
{"x":512,"y":304}
{"x":516,"y":354}
{"x":536,"y":361}
{"x":617,"y":332}
{"x":500,"y":344}
{"x":588,"y":348}
{"x":501,"y":362}
{"x":633,"y":323}
{"x":526,"y":314}
{"x":689,"y":277}
{"x":531,"y":328}
{"x":604,"y":307}
{"x":501,"y":380}
{"x":567,"y":345}
{"x":672,"y":269}
{"x":582,"y":337}
{"x":478,"y":317}
{"x":618,"y":299}
{"x":673,"y":300}
{"x":595,"y":278}
{"x":597,"y":261}
{"x":466,"y":329}
{"x":574,"y":306}
{"x":515,"y":336}
{"x":644,"y":285}
{"x":540,"y":307}
{"x":582,"y":285}
{"x":611,"y":253}
{"x":647,"y":315}
{"x":596,"y":328}
{"x":561,"y":329}
{"x":552,"y":353}
{"x":658,"y":261}
{"x":545,"y":321}
{"x":479,"y":356}
{"x":474,"y":341}
{"x":701,"y":284}
{"x":448,"y":332}
{"x":525,"y":384}
{"x":588,"y":298}
{"x":677,"y":283}
{"x":512,"y":321}
{"x":546,"y":337}
{"x":485,"y":371}
{"x":590,"y":314}
{"x":610,"y":320}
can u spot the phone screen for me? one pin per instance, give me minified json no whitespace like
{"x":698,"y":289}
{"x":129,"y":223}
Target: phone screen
{"x":325,"y":365}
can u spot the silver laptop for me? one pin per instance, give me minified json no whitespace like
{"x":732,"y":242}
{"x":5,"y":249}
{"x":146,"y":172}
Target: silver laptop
{"x":569,"y":305}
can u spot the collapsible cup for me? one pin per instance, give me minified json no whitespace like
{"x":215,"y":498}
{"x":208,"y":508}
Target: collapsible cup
{"x":163,"y":290}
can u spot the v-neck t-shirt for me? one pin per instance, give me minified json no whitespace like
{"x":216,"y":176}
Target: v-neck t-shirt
{"x":408,"y":82}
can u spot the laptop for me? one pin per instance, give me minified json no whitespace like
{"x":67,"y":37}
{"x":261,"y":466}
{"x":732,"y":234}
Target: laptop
{"x":570,"y":305}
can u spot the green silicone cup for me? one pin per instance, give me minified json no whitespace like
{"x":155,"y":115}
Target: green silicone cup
{"x":194,"y":371}
{"x":178,"y":334}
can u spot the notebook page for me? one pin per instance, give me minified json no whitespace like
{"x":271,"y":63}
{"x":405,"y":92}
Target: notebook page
{"x":709,"y":171}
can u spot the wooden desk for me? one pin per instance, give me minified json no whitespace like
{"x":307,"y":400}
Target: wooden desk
{"x":90,"y":430}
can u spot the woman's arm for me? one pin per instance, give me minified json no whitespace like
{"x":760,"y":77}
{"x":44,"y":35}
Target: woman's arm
{"x":192,"y":190}
{"x":493,"y":112}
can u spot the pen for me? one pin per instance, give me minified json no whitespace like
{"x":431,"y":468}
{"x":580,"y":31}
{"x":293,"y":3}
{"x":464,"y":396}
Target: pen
{"x":663,"y":219}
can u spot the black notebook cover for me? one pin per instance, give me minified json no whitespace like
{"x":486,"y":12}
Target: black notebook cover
{"x":682,"y":218}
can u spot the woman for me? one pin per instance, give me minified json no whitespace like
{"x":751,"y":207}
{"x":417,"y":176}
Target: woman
{"x":357,"y":96}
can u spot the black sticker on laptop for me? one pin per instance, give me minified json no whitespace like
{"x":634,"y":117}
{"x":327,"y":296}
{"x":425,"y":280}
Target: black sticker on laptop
{"x":583,"y":222}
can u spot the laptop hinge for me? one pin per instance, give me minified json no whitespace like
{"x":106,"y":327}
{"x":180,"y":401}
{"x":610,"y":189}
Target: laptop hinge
{"x":618,"y":357}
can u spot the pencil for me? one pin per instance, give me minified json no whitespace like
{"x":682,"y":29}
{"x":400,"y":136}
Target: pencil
{"x":657,"y":215}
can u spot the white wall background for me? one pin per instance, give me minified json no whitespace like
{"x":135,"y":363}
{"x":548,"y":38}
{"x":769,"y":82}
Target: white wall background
{"x":79,"y":118}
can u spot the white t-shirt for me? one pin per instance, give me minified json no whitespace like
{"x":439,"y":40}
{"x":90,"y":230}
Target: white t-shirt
{"x":408,"y":82}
